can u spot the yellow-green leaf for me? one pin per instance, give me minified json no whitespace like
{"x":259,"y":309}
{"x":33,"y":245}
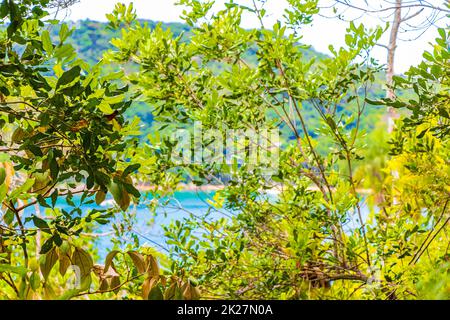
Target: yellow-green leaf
{"x":115,"y":283}
{"x":47,"y":42}
{"x":13,"y":269}
{"x":22,"y":189}
{"x":105,"y":108}
{"x":83,"y":260}
{"x":100,"y":197}
{"x":48,"y":262}
{"x":35,"y":281}
{"x":2,"y":175}
{"x":64,"y":264}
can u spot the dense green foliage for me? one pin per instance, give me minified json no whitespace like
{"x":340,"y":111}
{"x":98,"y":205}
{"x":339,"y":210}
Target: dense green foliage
{"x":92,"y":39}
{"x":69,"y":126}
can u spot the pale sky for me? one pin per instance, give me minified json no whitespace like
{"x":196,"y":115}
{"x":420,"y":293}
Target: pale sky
{"x":320,"y":34}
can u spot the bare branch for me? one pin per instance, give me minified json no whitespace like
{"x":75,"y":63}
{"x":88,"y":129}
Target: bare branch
{"x":391,"y":8}
{"x":412,"y":16}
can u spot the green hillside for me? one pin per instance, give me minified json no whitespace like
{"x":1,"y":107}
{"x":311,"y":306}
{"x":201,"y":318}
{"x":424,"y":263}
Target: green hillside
{"x":92,"y":38}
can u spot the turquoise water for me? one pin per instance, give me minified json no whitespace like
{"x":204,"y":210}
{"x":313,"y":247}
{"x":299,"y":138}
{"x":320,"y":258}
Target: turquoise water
{"x":140,"y":222}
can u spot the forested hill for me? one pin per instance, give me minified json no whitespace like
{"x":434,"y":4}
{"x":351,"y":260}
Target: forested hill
{"x":92,"y":38}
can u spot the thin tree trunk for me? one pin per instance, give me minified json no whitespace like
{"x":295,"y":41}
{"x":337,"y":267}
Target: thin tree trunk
{"x":391,"y":113}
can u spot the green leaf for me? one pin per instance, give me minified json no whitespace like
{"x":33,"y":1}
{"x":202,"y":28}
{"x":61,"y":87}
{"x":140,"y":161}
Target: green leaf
{"x":54,"y":169}
{"x":4,"y":9}
{"x":156,"y":294}
{"x":105,"y":108}
{"x":331,"y":123}
{"x":69,"y":294}
{"x":47,"y":246}
{"x":100,"y":197}
{"x":22,"y":189}
{"x":132,"y":190}
{"x":8,"y":218}
{"x":18,"y":135}
{"x":348,"y":39}
{"x":15,"y":17}
{"x":57,"y":239}
{"x":148,"y":286}
{"x":64,"y":51}
{"x":83,"y":260}
{"x":64,"y":264}
{"x":47,"y":42}
{"x":3,"y":191}
{"x":64,"y":32}
{"x":130,"y":169}
{"x":47,"y":262}
{"x":22,"y":271}
{"x":54,"y":197}
{"x":35,"y":150}
{"x":428,"y":56}
{"x":399,"y":80}
{"x":375,"y":102}
{"x":422,"y":134}
{"x":41,"y":224}
{"x":35,"y":281}
{"x":85,"y":282}
{"x":68,"y":76}
{"x":4,"y":157}
{"x":2,"y":175}
{"x":443,"y":113}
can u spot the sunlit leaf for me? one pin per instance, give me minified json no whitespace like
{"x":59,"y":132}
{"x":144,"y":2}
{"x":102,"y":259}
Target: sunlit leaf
{"x":47,"y":262}
{"x":83,"y":260}
{"x":138,"y":261}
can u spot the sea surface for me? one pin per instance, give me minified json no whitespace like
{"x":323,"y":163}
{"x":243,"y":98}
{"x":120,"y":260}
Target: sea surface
{"x":139,"y":221}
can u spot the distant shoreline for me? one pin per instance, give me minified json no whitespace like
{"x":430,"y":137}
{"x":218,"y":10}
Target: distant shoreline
{"x":190,"y":187}
{"x":184,"y":187}
{"x":210,"y":188}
